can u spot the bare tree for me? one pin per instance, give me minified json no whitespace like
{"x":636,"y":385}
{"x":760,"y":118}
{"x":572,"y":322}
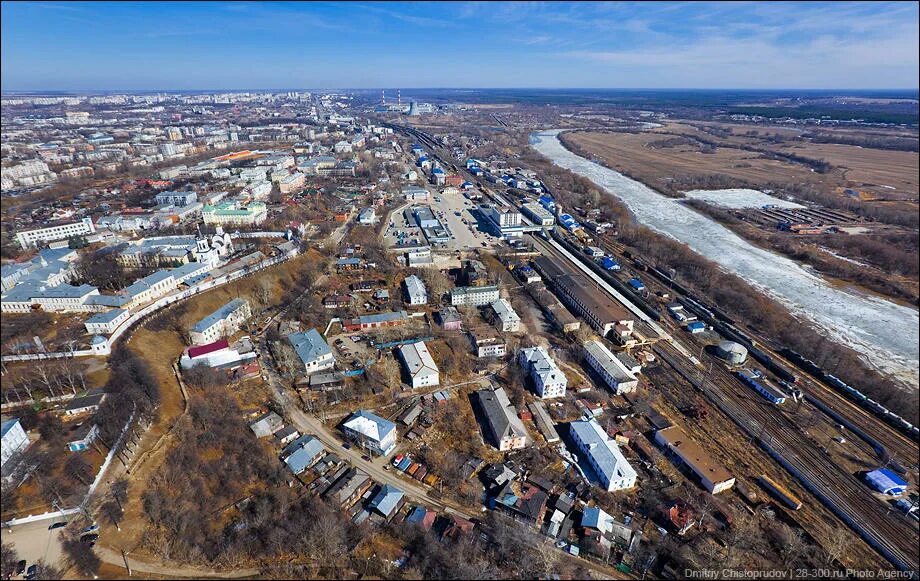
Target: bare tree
{"x":8,"y":560}
{"x":79,"y":469}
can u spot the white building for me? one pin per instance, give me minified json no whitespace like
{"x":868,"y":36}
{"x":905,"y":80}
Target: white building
{"x":313,"y":350}
{"x":106,"y":323}
{"x":176,"y":198}
{"x":223,"y":322}
{"x":476,"y":296}
{"x":488,"y":345}
{"x":419,"y":364}
{"x":548,"y":379}
{"x":415,"y":193}
{"x":60,"y":232}
{"x":415,"y":290}
{"x":603,"y":454}
{"x":507,"y":319}
{"x":617,"y":377}
{"x":371,"y":432}
{"x":14,"y":440}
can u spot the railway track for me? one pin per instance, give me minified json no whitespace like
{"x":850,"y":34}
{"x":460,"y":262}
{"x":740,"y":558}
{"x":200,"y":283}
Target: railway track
{"x":892,"y":535}
{"x":898,"y":445}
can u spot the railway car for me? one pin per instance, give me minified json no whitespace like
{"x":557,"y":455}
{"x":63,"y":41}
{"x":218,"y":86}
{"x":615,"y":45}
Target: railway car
{"x":770,"y":393}
{"x":780,"y":492}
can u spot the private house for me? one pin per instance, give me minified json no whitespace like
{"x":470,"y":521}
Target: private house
{"x":312,"y":350}
{"x":266,"y":424}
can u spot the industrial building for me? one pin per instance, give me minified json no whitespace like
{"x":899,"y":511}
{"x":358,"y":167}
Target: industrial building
{"x":713,"y":476}
{"x":603,"y":454}
{"x":605,"y":316}
{"x":619,"y":379}
{"x":538,"y":214}
{"x":731,"y":352}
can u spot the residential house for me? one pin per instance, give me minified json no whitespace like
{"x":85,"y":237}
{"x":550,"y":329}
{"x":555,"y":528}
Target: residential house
{"x":419,"y":365}
{"x":312,"y":350}
{"x":498,"y":420}
{"x":266,"y":424}
{"x":371,"y":431}
{"x":548,"y":379}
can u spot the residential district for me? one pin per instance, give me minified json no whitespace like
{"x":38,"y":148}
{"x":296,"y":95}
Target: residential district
{"x":427,"y":344}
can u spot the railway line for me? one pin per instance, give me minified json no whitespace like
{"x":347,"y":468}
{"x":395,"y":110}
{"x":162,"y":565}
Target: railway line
{"x":891,"y":534}
{"x":896,"y":444}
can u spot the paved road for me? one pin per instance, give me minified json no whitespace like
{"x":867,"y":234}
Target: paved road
{"x":33,"y":541}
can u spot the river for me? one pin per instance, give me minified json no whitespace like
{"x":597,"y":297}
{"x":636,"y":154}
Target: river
{"x":885,"y":334}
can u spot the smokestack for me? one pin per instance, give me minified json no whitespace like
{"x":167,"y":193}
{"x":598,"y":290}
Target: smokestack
{"x":398,"y":98}
{"x":383,"y":97}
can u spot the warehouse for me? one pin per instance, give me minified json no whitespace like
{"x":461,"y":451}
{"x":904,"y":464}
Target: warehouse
{"x":544,"y":422}
{"x":538,"y":214}
{"x":712,"y":475}
{"x":599,"y":310}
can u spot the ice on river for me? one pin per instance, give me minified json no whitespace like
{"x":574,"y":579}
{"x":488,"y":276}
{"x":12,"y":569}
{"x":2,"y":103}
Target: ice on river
{"x":886,"y":334}
{"x":740,"y":198}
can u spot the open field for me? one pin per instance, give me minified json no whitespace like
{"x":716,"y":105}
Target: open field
{"x":637,"y":155}
{"x":678,"y":149}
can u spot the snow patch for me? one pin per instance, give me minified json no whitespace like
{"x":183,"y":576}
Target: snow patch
{"x":885,"y":334}
{"x":740,"y":198}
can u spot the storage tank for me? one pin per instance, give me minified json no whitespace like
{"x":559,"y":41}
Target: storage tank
{"x":731,"y":352}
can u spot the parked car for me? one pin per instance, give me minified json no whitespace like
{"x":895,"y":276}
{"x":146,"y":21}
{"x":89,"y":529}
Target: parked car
{"x":30,"y":574}
{"x":57,"y":525}
{"x":347,"y":446}
{"x":91,"y":528}
{"x":366,"y":458}
{"x":20,"y":567}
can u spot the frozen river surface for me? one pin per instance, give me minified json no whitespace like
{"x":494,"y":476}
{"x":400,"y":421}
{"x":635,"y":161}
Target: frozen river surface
{"x":884,"y":333}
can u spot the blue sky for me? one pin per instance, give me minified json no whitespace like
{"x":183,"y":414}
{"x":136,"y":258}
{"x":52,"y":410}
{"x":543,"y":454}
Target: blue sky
{"x":147,"y":46}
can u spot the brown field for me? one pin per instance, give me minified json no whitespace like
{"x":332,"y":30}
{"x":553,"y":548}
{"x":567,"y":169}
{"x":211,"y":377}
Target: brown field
{"x":629,"y":153}
{"x":869,"y":168}
{"x":864,"y":168}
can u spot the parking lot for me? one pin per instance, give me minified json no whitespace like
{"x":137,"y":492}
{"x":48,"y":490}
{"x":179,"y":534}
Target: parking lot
{"x":452,"y":210}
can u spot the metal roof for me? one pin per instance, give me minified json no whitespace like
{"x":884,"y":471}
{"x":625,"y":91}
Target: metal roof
{"x":309,"y":345}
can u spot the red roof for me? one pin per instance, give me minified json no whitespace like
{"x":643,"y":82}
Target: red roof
{"x":200,"y":350}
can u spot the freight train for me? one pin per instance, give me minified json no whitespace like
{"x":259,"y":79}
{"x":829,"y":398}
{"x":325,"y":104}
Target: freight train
{"x":857,"y":396}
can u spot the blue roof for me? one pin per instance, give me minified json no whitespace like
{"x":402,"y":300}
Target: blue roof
{"x":309,"y":345}
{"x":386,"y":500}
{"x":886,"y":481}
{"x":417,"y":515}
{"x":301,"y":453}
{"x":106,"y":317}
{"x":7,"y":425}
{"x":218,"y":315}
